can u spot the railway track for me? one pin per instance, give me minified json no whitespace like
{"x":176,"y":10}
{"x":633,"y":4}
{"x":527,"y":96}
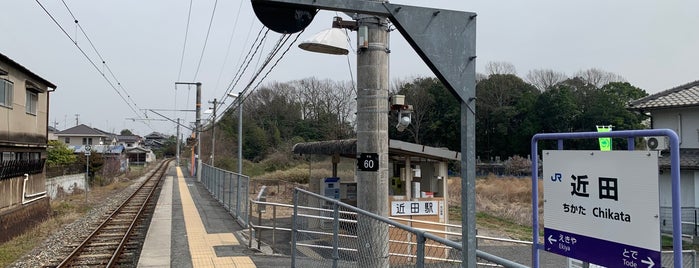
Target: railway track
{"x":110,"y":244}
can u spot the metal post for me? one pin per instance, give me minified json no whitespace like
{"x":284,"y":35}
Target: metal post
{"x":213,"y":135}
{"x":230,"y":191}
{"x":259,"y":223}
{"x":420,"y":262}
{"x":87,"y":174}
{"x":336,"y":230}
{"x":274,"y":224}
{"x":294,"y":228}
{"x":178,"y":142}
{"x":372,"y":135}
{"x":250,"y":229}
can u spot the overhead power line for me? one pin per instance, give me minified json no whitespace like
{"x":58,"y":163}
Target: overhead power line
{"x":206,"y":40}
{"x":245,"y":93}
{"x":184,"y":45}
{"x":89,"y":59}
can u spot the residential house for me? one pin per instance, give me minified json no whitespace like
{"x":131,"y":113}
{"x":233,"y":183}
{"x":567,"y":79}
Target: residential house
{"x":140,"y":156}
{"x":81,"y":135}
{"x":155,"y":140}
{"x":24,"y":108}
{"x":677,"y":109}
{"x":52,"y":133}
{"x":129,"y":141}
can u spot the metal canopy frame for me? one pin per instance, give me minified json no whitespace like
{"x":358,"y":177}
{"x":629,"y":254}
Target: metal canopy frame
{"x":630,"y":135}
{"x":446,"y":42}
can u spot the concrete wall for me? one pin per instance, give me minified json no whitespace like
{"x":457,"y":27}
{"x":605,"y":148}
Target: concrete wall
{"x":16,"y":125}
{"x":684,"y":121}
{"x":67,"y":184}
{"x":687,"y":190}
{"x":16,"y":221}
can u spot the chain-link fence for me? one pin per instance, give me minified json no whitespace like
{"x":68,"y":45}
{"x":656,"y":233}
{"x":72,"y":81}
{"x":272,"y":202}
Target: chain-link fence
{"x":329,"y":233}
{"x":230,"y":189}
{"x":689,"y":259}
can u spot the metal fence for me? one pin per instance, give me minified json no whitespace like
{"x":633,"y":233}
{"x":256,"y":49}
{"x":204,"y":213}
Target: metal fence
{"x":230,"y":189}
{"x":690,"y":219}
{"x":329,"y":233}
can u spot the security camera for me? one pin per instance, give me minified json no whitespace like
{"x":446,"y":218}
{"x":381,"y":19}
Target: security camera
{"x":403,"y":123}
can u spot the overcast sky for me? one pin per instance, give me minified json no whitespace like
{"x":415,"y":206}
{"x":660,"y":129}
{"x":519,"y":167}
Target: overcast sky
{"x":653,"y":44}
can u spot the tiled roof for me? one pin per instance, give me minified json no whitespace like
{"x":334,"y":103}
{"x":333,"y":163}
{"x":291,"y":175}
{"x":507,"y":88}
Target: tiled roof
{"x":128,"y":138}
{"x":682,"y":96}
{"x":23,"y":69}
{"x":689,"y":159}
{"x":82,"y":130}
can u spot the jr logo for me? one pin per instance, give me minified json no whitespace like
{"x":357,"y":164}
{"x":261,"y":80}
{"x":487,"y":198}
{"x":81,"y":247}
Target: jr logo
{"x":556,"y":177}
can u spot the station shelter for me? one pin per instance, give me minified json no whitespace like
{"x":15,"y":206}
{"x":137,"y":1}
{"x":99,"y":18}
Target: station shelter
{"x":418,"y":183}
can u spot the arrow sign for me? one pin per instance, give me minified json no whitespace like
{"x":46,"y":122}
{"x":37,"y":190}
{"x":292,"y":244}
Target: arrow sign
{"x":551,"y":239}
{"x":649,"y":262}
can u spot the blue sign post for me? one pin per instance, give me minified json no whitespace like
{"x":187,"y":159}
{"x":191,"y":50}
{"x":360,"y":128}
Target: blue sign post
{"x":588,"y":241}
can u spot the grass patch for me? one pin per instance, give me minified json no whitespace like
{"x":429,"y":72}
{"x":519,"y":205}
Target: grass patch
{"x":666,"y":244}
{"x":487,"y":221}
{"x":516,"y":231}
{"x":64,"y":212}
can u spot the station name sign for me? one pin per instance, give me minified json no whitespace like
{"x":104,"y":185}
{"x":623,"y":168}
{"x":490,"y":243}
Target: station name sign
{"x":602,"y":207}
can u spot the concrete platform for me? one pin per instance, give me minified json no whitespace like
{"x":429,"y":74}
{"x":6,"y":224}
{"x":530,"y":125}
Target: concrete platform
{"x":190,"y":229}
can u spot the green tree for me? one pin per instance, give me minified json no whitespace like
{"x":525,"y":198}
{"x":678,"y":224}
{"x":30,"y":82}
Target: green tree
{"x":503,"y":122}
{"x":59,"y":154}
{"x":126,"y":132}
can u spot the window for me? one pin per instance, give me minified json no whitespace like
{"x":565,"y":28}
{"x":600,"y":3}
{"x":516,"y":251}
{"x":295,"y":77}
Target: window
{"x":84,"y":141}
{"x":89,"y":141}
{"x":67,"y":140}
{"x":6,"y":156}
{"x":32,"y":99}
{"x":6,"y":91}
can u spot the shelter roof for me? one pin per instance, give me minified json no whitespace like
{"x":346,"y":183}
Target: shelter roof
{"x":348,"y":148}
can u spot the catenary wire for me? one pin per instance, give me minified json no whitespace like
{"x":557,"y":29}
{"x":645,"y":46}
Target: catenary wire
{"x":90,"y":60}
{"x":104,"y":62}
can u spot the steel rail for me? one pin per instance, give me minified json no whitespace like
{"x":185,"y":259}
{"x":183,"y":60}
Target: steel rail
{"x":158,"y":174}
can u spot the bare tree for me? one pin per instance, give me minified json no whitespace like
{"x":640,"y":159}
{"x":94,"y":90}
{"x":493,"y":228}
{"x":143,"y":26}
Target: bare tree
{"x":543,"y":79}
{"x":480,"y":77}
{"x":500,"y":67}
{"x":598,"y":78}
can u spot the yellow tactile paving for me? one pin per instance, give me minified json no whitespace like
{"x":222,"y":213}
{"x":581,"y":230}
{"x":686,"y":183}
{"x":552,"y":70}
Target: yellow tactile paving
{"x":201,"y":243}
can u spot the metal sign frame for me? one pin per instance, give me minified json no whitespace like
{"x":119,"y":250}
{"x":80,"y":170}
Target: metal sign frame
{"x":630,"y":135}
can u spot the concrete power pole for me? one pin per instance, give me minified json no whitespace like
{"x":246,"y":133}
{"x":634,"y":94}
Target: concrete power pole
{"x":372,"y":135}
{"x":197,"y":128}
{"x":197,"y":132}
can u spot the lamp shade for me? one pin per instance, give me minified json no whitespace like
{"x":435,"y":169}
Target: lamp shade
{"x":329,"y":41}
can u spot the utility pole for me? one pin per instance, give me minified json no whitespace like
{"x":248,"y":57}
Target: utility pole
{"x":372,"y":134}
{"x":77,"y":119}
{"x":197,"y":127}
{"x":213,"y":134}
